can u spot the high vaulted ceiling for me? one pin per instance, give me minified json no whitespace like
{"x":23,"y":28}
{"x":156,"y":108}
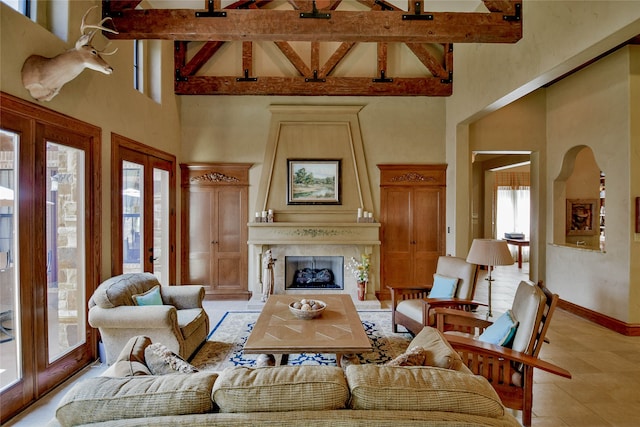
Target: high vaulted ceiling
{"x":319,"y":47}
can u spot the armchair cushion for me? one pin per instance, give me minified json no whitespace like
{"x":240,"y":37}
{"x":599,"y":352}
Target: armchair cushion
{"x":502,"y":331}
{"x":443,"y":286}
{"x":151,"y":297}
{"x":119,"y":290}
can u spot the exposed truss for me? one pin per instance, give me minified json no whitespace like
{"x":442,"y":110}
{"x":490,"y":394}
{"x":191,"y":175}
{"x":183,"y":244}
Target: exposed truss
{"x":255,"y":21}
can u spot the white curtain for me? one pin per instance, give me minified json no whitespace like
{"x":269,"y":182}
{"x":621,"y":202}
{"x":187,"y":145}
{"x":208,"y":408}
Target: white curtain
{"x":512,"y":214}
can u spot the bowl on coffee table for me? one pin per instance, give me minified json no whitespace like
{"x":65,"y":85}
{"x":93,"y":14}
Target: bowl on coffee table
{"x":307,"y":309}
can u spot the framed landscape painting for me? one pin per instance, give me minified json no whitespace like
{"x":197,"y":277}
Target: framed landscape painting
{"x":313,"y":182}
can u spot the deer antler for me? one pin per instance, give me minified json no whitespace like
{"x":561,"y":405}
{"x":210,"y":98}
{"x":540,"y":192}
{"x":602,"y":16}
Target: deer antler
{"x":85,"y":39}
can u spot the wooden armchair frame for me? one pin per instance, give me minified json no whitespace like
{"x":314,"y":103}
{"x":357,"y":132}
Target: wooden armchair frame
{"x":510,"y":372}
{"x":414,"y":324}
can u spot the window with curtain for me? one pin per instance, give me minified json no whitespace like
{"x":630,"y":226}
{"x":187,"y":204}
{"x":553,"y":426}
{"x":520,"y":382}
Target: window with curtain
{"x":513,"y":206}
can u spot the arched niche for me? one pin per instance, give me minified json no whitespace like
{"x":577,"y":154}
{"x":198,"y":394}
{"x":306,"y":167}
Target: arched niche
{"x":578,"y":196}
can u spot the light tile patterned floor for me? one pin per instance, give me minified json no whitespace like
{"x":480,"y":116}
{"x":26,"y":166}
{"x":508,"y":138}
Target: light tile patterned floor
{"x":604,"y":390}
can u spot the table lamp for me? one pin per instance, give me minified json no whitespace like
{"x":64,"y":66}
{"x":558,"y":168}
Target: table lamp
{"x":489,"y":252}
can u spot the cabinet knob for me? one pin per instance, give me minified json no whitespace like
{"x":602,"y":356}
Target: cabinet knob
{"x":214,"y":242}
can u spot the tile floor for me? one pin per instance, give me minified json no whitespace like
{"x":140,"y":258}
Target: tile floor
{"x":604,"y":390}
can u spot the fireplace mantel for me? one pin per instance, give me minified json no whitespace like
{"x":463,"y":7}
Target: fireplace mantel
{"x":303,"y":233}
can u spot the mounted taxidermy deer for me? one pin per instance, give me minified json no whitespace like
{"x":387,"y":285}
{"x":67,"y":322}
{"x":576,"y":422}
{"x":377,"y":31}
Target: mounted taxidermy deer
{"x":44,"y":77}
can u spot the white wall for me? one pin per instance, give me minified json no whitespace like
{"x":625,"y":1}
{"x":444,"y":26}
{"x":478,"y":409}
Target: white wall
{"x":591,"y":108}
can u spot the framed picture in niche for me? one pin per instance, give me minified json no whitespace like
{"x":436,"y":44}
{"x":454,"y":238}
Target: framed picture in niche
{"x":313,"y":182}
{"x":582,"y":217}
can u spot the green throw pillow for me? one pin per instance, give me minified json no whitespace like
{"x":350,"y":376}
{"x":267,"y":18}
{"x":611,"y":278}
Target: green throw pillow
{"x":151,"y":297}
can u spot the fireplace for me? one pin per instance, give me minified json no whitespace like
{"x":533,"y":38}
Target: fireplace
{"x":314,"y":272}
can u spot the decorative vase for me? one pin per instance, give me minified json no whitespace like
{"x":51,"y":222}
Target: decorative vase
{"x":362,"y":290}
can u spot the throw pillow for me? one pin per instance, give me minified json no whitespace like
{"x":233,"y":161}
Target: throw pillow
{"x":130,"y":361}
{"x":415,"y":356}
{"x":161,"y":361}
{"x":443,"y":286}
{"x":151,"y":297}
{"x":502,"y":331}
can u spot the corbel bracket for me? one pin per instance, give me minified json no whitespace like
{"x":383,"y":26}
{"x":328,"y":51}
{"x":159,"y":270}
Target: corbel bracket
{"x":180,"y":77}
{"x":315,"y":14}
{"x":211,"y":13}
{"x":517,"y":16}
{"x":417,"y":15}
{"x":315,"y":78}
{"x":107,"y":12}
{"x":382,"y":78}
{"x":246,"y":77}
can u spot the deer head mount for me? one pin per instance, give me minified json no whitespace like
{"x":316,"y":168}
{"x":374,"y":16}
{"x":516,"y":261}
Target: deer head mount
{"x":44,"y":77}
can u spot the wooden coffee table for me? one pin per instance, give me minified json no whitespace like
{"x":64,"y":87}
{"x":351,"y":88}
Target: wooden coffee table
{"x":337,"y":330}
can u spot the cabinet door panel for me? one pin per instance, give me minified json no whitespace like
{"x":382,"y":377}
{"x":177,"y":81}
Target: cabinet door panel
{"x":229,"y":218}
{"x":200,"y":237}
{"x":396,"y":257}
{"x":428,"y":231}
{"x":228,"y":273}
{"x":426,"y":220}
{"x":397,"y":221}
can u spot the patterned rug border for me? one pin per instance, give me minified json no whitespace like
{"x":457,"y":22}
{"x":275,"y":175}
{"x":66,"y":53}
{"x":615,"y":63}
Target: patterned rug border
{"x":223,"y":347}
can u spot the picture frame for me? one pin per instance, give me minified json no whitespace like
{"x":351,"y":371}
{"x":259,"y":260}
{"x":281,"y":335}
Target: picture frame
{"x":582,"y":217}
{"x":314,"y":181}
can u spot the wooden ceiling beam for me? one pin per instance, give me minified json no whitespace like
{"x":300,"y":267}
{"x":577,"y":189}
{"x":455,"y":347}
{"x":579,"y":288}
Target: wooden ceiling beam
{"x":343,"y":26}
{"x":334,"y":86}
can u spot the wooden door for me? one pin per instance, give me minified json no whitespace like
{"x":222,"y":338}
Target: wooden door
{"x":412,"y":216}
{"x":215,"y":216}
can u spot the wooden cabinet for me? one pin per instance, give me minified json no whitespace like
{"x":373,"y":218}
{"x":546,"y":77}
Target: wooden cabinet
{"x":412,"y":217}
{"x":214,"y":228}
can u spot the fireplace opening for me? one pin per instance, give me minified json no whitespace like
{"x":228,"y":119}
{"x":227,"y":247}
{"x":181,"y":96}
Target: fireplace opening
{"x":314,"y":272}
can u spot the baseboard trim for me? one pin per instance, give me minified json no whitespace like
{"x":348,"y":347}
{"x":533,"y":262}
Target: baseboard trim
{"x":628,"y":329}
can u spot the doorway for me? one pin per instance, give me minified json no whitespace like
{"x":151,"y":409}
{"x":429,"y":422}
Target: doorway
{"x":501,"y":197}
{"x":49,"y":249}
{"x":143,"y":211}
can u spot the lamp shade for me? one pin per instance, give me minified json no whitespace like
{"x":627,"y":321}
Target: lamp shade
{"x":489,"y":252}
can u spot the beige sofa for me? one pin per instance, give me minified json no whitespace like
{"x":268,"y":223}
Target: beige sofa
{"x":180,"y":322}
{"x":445,"y":394}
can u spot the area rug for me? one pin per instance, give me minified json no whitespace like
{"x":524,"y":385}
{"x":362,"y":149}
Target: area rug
{"x":224,"y":344}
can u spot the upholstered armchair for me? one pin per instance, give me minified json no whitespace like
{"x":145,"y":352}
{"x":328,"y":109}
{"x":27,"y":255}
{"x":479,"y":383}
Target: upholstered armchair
{"x":506,"y":351}
{"x":129,"y":304}
{"x":412,"y":307}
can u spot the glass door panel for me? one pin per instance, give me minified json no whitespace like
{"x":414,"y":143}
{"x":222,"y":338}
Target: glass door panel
{"x":65,"y":242}
{"x":132,"y":217}
{"x":10,"y":343}
{"x":160,"y":252}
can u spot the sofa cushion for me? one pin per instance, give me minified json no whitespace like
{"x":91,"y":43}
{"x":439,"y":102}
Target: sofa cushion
{"x":443,"y":286}
{"x":119,"y":290}
{"x":104,"y":398}
{"x":151,"y":297}
{"x":161,"y":361}
{"x":376,"y":387}
{"x":130,"y":361}
{"x":443,"y":355}
{"x":281,"y":388}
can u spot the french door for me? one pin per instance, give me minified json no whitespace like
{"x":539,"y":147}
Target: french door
{"x":143,"y":197}
{"x":49,"y":249}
